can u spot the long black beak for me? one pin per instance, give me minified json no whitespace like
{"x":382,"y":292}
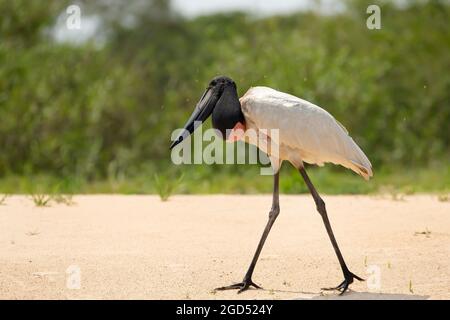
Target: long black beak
{"x":201,"y":112}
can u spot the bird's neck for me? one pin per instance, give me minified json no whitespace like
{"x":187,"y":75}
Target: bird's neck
{"x":227,"y":115}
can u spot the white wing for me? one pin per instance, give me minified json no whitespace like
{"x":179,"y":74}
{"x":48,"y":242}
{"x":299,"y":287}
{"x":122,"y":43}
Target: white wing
{"x":306,"y":132}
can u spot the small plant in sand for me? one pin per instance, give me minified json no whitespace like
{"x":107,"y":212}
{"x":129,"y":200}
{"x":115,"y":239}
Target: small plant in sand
{"x":287,"y":284}
{"x":63,"y":199}
{"x":3,"y":199}
{"x":408,"y":190}
{"x":444,"y":197}
{"x":397,"y":195}
{"x":60,"y":197}
{"x":427,"y":233}
{"x":33,"y":233}
{"x":394,"y":193}
{"x":41,"y":200}
{"x":166,"y":186}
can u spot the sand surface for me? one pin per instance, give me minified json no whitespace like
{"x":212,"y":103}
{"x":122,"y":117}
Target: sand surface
{"x":137,"y":247}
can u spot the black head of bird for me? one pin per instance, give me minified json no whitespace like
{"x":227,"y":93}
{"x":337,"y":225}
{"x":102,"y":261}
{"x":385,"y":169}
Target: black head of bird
{"x":221,"y":100}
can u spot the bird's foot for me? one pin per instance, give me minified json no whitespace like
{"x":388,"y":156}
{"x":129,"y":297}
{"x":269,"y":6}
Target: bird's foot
{"x":241,"y":286}
{"x":349,"y":277}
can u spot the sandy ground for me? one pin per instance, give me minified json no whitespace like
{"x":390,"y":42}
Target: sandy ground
{"x":128,"y":247}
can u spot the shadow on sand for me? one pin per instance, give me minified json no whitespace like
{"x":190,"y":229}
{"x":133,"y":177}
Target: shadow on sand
{"x":353,"y":295}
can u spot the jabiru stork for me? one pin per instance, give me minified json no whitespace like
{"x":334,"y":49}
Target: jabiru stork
{"x":307,"y":133}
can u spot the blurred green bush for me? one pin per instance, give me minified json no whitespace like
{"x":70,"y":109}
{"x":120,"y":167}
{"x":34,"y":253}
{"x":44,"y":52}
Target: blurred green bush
{"x":96,"y":112}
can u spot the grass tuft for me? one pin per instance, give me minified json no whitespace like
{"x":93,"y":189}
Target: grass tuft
{"x":245,"y":179}
{"x":41,"y":200}
{"x":3,"y":199}
{"x":166,"y":186}
{"x":63,"y":199}
{"x":427,"y":233}
{"x":33,"y":233}
{"x":393,"y":192}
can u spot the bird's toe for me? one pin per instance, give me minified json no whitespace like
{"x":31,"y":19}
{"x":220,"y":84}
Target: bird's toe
{"x":343,"y":286}
{"x":241,"y":286}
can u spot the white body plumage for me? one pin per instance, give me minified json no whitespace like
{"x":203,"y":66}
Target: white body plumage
{"x":307,"y":133}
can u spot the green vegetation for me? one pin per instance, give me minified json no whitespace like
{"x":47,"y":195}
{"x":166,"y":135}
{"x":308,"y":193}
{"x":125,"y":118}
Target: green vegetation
{"x":44,"y":199}
{"x":328,"y":180}
{"x":91,"y":118}
{"x":3,"y":199}
{"x":63,"y":199}
{"x":166,"y":186}
{"x":41,"y":200}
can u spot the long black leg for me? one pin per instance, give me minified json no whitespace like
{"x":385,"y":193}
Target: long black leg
{"x":273,"y":214}
{"x":320,"y":205}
